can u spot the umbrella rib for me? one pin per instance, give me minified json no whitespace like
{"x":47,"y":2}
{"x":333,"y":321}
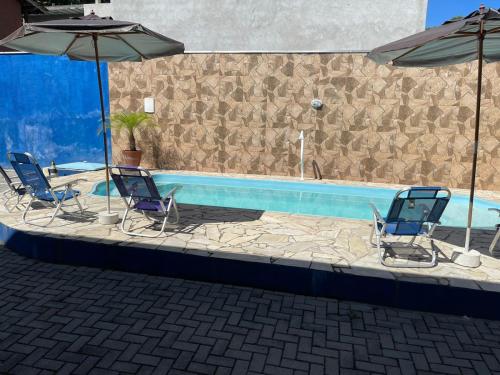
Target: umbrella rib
{"x":131,"y":46}
{"x":71,"y":44}
{"x":493,"y":31}
{"x":468,"y":33}
{"x":407,"y":52}
{"x":465,"y":34}
{"x":457,"y":36}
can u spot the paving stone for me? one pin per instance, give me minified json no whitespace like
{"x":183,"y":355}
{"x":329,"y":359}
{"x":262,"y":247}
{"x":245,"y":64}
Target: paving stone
{"x":85,"y":321}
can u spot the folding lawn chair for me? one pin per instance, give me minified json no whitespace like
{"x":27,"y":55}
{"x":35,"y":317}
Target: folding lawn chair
{"x":139,"y":192}
{"x":15,"y":190}
{"x":414,"y":212}
{"x":497,"y":235}
{"x":38,"y":187}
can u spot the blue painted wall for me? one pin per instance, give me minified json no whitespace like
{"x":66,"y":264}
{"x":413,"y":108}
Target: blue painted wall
{"x":49,"y":106}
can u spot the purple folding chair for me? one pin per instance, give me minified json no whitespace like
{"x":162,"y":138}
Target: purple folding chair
{"x":139,"y":192}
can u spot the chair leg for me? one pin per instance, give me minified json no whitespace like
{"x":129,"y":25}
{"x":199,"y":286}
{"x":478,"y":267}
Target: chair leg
{"x":25,"y":212}
{"x":6,"y":202}
{"x":162,"y":230}
{"x":176,"y":211}
{"x":19,"y":200}
{"x":58,"y":207}
{"x":52,"y":217}
{"x":171,"y":205}
{"x":494,"y":242}
{"x":124,"y":218}
{"x":434,"y":254}
{"x":131,"y":233}
{"x":431,"y":263}
{"x":380,"y":251}
{"x":410,"y":243}
{"x":8,"y":196}
{"x":78,"y":204}
{"x":75,"y":197}
{"x":372,"y":232}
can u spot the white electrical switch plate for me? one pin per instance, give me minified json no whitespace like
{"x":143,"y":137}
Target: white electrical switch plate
{"x":149,"y":105}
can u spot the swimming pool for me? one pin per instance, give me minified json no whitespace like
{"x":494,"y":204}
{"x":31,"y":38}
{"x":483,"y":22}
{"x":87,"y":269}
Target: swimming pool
{"x":302,"y":198}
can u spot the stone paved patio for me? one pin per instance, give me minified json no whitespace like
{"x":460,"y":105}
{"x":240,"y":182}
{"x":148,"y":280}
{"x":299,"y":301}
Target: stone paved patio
{"x":331,"y":244}
{"x":60,"y":319}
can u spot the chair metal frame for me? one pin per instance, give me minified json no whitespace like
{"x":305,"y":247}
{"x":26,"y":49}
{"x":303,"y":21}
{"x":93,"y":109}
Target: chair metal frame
{"x":497,"y":235}
{"x":426,"y":228}
{"x":166,"y":203}
{"x":15,"y":190}
{"x":35,"y":193}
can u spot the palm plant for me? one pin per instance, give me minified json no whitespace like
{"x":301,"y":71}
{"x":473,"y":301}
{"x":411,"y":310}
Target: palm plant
{"x":129,"y":122}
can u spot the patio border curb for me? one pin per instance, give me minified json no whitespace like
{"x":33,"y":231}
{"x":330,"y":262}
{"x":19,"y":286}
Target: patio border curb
{"x":283,"y":278}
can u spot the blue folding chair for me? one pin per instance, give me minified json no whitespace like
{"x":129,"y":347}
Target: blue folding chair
{"x":415,"y":211}
{"x":15,"y":189}
{"x":139,"y":192}
{"x":497,"y":234}
{"x":38,"y":187}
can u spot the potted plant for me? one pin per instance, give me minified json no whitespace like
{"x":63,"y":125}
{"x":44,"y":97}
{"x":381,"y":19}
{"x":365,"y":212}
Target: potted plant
{"x":130,"y":122}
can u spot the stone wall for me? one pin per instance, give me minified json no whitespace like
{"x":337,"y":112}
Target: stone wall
{"x":243,"y":113}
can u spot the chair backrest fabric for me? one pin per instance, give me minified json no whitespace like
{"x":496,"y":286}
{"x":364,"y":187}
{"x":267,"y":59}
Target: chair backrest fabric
{"x":29,"y":172}
{"x":135,"y":182}
{"x":418,"y":205}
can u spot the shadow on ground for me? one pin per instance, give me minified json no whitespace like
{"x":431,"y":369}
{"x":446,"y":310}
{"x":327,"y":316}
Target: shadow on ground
{"x":480,"y":238}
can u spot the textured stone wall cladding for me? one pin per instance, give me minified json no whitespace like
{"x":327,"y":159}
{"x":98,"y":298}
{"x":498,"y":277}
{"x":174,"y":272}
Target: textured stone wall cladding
{"x":243,"y":113}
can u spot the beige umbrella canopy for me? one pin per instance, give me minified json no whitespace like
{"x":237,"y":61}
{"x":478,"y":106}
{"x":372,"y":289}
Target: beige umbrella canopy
{"x":93,"y":38}
{"x":474,"y":37}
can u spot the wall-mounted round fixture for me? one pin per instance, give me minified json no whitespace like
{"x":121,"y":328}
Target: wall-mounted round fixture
{"x":316,"y":103}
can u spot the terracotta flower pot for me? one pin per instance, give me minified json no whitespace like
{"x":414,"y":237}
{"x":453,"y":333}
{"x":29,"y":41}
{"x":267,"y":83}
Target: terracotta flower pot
{"x":132,"y":158}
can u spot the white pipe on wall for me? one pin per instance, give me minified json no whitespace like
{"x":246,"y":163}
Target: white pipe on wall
{"x":301,"y":138}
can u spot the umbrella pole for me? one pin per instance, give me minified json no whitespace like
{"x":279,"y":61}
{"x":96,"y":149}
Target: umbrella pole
{"x":103,"y":118}
{"x":476,"y":136}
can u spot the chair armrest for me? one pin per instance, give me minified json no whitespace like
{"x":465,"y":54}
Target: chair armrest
{"x":70,"y":183}
{"x":377,"y":213}
{"x":495,"y":209}
{"x":170,"y":193}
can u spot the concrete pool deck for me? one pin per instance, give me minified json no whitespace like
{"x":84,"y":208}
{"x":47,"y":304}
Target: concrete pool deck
{"x":258,"y":244}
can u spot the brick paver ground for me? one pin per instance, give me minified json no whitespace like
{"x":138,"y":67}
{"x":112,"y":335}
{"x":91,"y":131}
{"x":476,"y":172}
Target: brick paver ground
{"x":67,"y":320}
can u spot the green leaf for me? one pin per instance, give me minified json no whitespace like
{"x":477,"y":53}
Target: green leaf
{"x":129,"y":122}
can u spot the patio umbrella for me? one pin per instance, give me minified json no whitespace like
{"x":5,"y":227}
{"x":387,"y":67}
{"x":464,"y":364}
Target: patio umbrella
{"x":93,"y":38}
{"x":476,"y":36}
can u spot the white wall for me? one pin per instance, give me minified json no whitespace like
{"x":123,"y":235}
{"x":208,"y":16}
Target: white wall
{"x":277,"y":25}
{"x":103,"y":10}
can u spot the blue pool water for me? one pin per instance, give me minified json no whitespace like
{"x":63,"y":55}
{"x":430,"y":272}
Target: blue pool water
{"x":82,"y":166}
{"x":69,"y":169}
{"x":303,"y":198}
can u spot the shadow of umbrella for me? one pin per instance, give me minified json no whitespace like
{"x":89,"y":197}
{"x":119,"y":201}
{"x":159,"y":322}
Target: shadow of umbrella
{"x":480,"y":238}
